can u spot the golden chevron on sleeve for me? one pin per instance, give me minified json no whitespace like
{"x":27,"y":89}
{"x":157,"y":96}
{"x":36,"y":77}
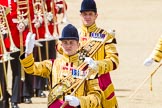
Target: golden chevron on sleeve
{"x":111,"y":60}
{"x":42,"y":69}
{"x":27,"y":63}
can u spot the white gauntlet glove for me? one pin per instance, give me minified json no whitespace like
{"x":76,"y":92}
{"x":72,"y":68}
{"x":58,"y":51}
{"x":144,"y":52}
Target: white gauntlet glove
{"x":73,"y":101}
{"x":91,"y":62}
{"x":148,"y":62}
{"x":29,"y":43}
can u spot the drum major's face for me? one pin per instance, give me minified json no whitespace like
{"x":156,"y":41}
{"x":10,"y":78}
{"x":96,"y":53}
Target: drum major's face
{"x":88,"y":17}
{"x":70,"y":47}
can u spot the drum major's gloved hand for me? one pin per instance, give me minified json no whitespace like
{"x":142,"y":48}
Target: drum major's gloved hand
{"x":92,"y":64}
{"x":29,"y":43}
{"x":73,"y":101}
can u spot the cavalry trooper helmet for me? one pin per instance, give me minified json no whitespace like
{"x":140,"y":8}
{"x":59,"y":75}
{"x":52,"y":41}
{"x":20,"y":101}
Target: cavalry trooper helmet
{"x":88,"y":5}
{"x":69,"y":32}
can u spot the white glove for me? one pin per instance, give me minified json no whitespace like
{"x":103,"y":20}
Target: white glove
{"x":111,"y":32}
{"x":91,"y":62}
{"x":148,"y":62}
{"x":29,"y":43}
{"x":73,"y":101}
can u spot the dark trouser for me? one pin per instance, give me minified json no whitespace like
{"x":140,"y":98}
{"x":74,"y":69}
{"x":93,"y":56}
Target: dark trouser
{"x":28,"y":86}
{"x":4,"y":103}
{"x":39,"y":84}
{"x":20,"y":88}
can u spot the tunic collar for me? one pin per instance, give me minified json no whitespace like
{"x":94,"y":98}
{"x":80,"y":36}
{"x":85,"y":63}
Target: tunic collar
{"x":91,"y":28}
{"x":73,"y":58}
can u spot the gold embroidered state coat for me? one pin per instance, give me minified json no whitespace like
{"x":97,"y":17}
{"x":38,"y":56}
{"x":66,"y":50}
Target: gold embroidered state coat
{"x":89,"y":93}
{"x":107,"y":59}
